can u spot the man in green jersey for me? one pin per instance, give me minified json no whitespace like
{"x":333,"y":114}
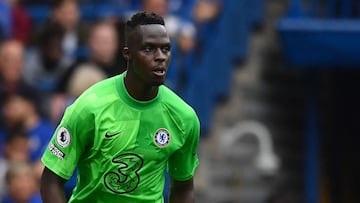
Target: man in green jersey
{"x":124,"y":131}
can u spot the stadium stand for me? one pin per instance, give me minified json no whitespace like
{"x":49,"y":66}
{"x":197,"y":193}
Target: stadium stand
{"x":321,"y":37}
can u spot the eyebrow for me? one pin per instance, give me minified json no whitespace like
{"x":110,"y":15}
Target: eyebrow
{"x":161,"y":44}
{"x":154,"y":43}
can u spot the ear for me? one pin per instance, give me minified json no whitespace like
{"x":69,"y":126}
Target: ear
{"x":126,"y":53}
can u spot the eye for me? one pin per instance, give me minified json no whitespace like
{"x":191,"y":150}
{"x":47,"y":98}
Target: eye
{"x":148,"y":49}
{"x":165,"y":49}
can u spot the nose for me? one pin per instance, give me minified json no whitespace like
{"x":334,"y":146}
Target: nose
{"x":160,"y":55}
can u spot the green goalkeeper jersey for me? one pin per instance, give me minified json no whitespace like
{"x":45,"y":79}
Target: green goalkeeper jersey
{"x":121,"y":146}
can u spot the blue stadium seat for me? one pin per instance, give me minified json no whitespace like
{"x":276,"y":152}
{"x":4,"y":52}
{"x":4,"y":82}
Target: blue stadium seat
{"x":38,"y":13}
{"x":320,"y":43}
{"x":5,"y":20}
{"x":312,"y":41}
{"x":225,"y":41}
{"x":108,"y":10}
{"x":88,"y":12}
{"x":256,"y":11}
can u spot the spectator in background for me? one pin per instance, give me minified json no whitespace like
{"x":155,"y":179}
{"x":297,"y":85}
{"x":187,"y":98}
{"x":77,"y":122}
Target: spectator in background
{"x":206,"y":10}
{"x":46,"y":63}
{"x":16,"y":149}
{"x":11,"y":67}
{"x":15,"y":22}
{"x":103,"y":43}
{"x":17,"y":146}
{"x":66,"y":13}
{"x":103,"y":48}
{"x":22,"y":184}
{"x":20,"y":112}
{"x":179,"y":29}
{"x":103,"y":62}
{"x":82,"y":78}
{"x":21,"y":27}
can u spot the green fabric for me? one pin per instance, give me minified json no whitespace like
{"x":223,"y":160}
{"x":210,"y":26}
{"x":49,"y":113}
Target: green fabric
{"x":143,"y":139}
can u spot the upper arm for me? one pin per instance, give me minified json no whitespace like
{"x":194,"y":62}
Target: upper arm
{"x":183,"y":162}
{"x":48,"y":178}
{"x":52,"y":187}
{"x":69,"y":141}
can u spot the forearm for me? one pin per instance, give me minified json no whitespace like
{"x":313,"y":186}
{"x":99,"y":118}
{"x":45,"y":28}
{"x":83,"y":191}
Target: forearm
{"x":182,"y":192}
{"x":182,"y":197}
{"x":52,"y":188}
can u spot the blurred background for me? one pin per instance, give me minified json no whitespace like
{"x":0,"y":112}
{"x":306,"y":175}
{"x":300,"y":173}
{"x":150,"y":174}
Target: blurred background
{"x":273,"y":82}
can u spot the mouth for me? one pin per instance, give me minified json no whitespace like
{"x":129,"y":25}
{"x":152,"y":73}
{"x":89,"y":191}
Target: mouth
{"x":159,"y":72}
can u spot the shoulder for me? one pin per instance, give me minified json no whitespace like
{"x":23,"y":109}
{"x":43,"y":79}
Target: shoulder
{"x":176,"y":105}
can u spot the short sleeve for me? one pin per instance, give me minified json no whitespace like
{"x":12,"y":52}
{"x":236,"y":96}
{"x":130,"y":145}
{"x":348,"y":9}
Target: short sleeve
{"x":70,"y":140}
{"x":184,"y":161}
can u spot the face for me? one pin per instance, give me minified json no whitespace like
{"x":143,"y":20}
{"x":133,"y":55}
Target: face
{"x":11,"y":61}
{"x":17,"y":149}
{"x":149,"y":54}
{"x":53,"y":50}
{"x":103,"y":43}
{"x":157,"y":6}
{"x":67,"y":15}
{"x":22,"y":186}
{"x":15,"y":110}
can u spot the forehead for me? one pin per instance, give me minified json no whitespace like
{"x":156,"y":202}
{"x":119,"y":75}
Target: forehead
{"x":153,"y":33}
{"x":11,"y":48}
{"x":103,"y":28}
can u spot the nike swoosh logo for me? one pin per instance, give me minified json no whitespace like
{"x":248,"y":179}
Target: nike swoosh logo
{"x":107,"y":135}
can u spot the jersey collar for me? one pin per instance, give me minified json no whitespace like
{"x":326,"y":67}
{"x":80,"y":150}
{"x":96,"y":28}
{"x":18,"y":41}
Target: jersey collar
{"x":128,"y":99}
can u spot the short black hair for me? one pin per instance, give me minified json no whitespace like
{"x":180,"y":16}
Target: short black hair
{"x":55,"y":4}
{"x":144,"y":18}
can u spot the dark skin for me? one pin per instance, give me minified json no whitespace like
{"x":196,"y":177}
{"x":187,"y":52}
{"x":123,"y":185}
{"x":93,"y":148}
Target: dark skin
{"x":52,"y":187}
{"x":148,"y":54}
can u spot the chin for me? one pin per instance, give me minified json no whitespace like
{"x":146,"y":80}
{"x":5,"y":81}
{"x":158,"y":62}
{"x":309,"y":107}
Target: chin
{"x":157,"y":83}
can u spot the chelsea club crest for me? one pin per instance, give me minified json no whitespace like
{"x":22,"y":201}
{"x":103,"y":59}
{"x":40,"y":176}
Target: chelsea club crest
{"x":162,"y":137}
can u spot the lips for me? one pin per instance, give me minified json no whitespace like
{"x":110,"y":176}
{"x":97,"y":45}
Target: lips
{"x":159,"y":72}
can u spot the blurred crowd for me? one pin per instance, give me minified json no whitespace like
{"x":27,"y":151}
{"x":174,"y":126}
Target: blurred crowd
{"x":51,"y":51}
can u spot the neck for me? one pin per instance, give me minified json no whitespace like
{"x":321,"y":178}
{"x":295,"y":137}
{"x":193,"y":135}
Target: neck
{"x":138,"y":90}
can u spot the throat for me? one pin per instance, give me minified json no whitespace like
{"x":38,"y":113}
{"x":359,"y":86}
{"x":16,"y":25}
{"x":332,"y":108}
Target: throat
{"x":140,"y":92}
